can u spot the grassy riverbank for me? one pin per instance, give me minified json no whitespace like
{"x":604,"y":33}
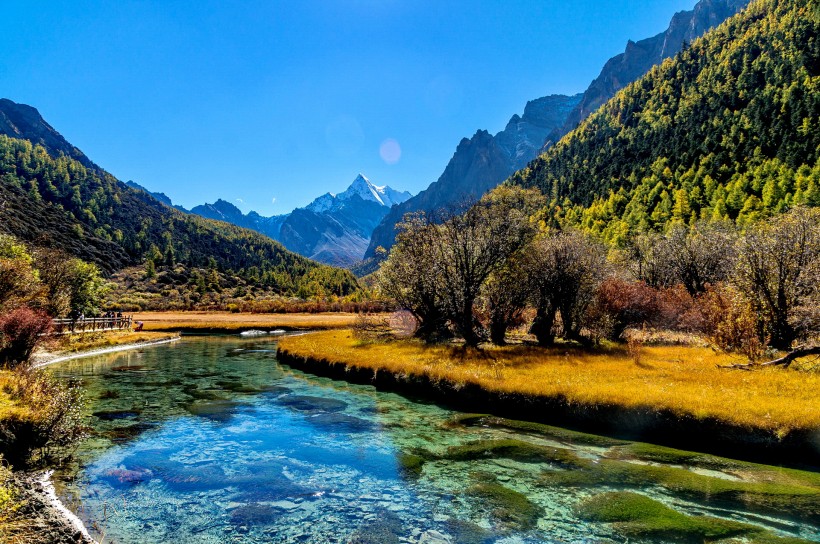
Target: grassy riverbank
{"x":234,"y":322}
{"x":661,"y":386}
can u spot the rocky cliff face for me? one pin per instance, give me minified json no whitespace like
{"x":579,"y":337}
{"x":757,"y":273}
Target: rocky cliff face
{"x":481,"y":163}
{"x":639,"y":57}
{"x":24,"y":122}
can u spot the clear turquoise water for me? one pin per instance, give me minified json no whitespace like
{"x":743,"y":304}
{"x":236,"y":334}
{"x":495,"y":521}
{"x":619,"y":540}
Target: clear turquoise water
{"x":211,"y":440}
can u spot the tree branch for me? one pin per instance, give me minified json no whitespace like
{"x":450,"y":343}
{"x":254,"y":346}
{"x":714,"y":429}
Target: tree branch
{"x":797,"y":353}
{"x":785,"y":361}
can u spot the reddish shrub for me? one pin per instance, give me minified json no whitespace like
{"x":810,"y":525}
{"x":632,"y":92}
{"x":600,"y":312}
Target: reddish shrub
{"x":678,"y":310}
{"x":627,"y":304}
{"x":21,"y":330}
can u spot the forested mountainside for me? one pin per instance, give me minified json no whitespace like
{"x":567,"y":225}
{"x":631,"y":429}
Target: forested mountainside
{"x":59,"y":202}
{"x":640,"y":56}
{"x":481,"y":163}
{"x":484,"y":161}
{"x":728,"y":129}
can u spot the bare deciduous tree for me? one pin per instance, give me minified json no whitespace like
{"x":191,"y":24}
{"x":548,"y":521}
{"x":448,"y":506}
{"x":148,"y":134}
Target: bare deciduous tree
{"x":779,"y":272}
{"x":565,"y":269}
{"x":410,"y":275}
{"x":477,"y":243}
{"x":697,"y":256}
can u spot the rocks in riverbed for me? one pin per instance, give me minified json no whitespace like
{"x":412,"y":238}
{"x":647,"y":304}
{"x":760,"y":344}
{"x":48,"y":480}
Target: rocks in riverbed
{"x":220,"y":411}
{"x":305,"y":403}
{"x":253,"y":514}
{"x":341,"y":422}
{"x":113,"y":415}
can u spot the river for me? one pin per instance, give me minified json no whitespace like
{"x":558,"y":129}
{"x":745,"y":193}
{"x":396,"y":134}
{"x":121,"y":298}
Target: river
{"x":211,"y":440}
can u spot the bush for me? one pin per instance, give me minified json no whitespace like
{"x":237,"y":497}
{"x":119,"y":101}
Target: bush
{"x":628,"y":304}
{"x":730,"y":322}
{"x":21,"y":330}
{"x":48,"y":416}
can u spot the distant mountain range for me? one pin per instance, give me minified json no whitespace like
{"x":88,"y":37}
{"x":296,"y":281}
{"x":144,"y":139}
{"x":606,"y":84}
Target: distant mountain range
{"x":484,"y":161}
{"x":333,"y":229}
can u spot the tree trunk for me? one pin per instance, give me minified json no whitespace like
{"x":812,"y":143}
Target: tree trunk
{"x":498,"y":330}
{"x":542,"y":326}
{"x":785,"y":361}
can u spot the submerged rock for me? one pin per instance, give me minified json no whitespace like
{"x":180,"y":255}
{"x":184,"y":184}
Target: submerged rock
{"x":113,"y":415}
{"x":253,"y":514}
{"x":386,"y":528}
{"x":219,"y":411}
{"x":509,"y":507}
{"x":641,"y":517}
{"x":120,"y":435}
{"x":305,"y":403}
{"x":341,"y":422}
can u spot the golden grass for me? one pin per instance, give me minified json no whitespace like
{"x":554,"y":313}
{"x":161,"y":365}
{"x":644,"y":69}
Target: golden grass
{"x":683,"y":379}
{"x":192,"y":321}
{"x":12,"y":408}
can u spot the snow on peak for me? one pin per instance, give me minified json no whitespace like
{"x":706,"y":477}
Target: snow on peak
{"x":364,"y":189}
{"x":322,"y":203}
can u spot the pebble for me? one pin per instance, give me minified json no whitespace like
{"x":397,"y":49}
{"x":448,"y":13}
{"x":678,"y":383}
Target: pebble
{"x":434,"y":537}
{"x":285,"y":505}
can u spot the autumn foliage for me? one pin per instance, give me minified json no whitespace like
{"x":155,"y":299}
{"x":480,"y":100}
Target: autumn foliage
{"x":20,"y":332}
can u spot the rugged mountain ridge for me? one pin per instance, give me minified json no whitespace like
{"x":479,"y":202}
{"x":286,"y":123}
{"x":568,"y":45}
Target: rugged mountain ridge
{"x":484,"y":161}
{"x":162,"y":197}
{"x":640,"y":56}
{"x":481,"y":163}
{"x":25,"y":122}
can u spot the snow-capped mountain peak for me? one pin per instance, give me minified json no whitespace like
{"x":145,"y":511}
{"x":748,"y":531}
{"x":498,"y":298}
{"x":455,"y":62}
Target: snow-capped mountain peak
{"x":364,"y":189}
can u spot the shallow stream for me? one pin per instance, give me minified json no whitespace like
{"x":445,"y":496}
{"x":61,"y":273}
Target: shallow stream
{"x":210,"y":440}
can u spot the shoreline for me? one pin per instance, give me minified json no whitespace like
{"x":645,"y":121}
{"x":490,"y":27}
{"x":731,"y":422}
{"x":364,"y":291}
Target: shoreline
{"x":44,"y":360}
{"x":39,"y":488}
{"x":800,"y":449}
{"x":46,"y":516}
{"x":64,"y":512}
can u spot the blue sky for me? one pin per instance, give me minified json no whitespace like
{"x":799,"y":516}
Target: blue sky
{"x":270,"y":104}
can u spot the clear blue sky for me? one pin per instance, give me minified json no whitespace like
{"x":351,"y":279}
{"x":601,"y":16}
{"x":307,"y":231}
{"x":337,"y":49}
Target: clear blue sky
{"x":261,"y":100}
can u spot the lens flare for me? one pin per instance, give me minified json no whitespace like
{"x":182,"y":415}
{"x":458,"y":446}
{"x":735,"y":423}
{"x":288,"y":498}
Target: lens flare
{"x":390,"y":151}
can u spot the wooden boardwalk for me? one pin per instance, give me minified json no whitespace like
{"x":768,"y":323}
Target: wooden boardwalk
{"x":91,"y":324}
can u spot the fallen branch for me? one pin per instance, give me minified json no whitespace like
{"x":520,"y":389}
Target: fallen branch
{"x":797,"y":353}
{"x":785,"y":361}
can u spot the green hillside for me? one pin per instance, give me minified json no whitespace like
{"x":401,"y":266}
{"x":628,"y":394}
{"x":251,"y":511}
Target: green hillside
{"x":728,"y":129}
{"x":58,"y":202}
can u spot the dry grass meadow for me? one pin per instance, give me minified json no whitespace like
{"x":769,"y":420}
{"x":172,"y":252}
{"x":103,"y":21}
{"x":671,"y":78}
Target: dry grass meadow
{"x":683,"y":379}
{"x":227,"y":321}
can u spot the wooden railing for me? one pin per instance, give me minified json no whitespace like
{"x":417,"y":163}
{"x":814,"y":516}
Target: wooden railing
{"x":91,"y":324}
